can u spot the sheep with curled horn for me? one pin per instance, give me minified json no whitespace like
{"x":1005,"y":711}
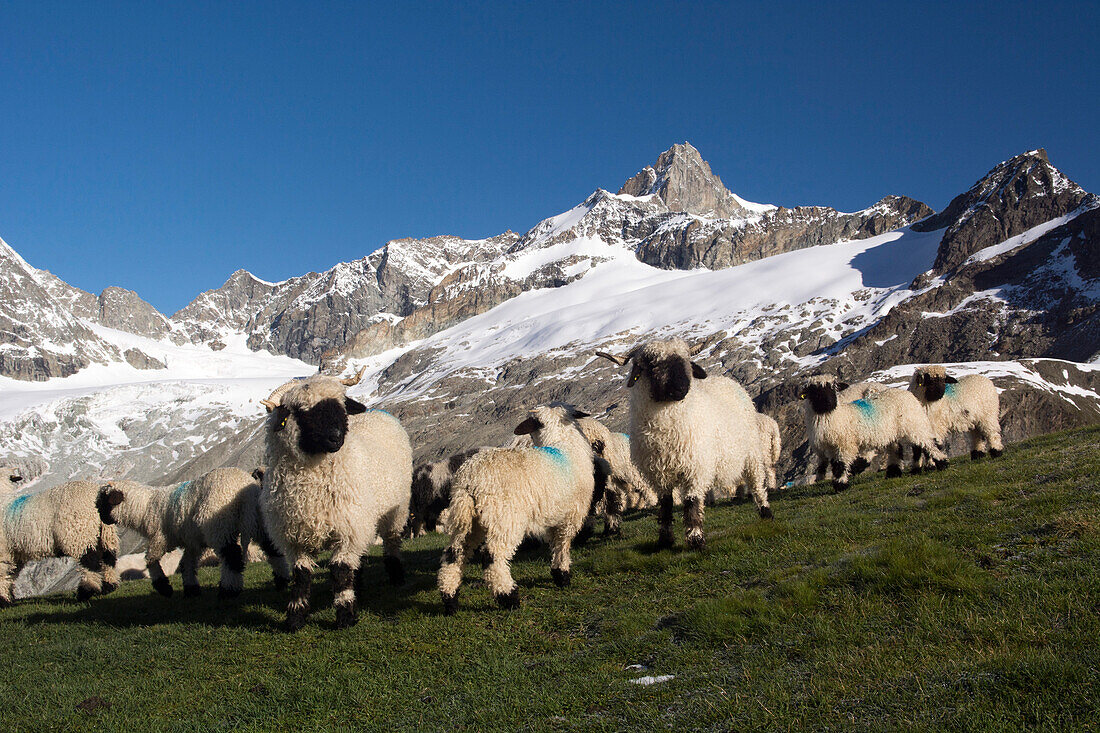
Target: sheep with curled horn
{"x":689,"y":433}
{"x":337,"y":476}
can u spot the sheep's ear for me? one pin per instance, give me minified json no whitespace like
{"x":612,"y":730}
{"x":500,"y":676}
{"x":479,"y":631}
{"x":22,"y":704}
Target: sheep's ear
{"x":578,"y":414}
{"x":841,"y":386}
{"x":529,"y":425}
{"x":697,"y":371}
{"x":353,"y":407}
{"x":113,"y":497}
{"x":598,"y":446}
{"x":258,"y":473}
{"x":952,"y":380}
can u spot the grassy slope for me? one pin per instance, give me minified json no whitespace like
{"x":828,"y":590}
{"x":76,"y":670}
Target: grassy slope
{"x":967,"y":599}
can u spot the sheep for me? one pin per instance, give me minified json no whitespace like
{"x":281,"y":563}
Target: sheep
{"x":850,"y":393}
{"x":500,"y":495}
{"x":690,"y":434}
{"x":219,"y":510}
{"x":69,"y":520}
{"x":626,"y":489}
{"x":431,"y":492}
{"x":338,"y":475}
{"x":884,"y":420}
{"x":770,"y":446}
{"x":967,"y":405}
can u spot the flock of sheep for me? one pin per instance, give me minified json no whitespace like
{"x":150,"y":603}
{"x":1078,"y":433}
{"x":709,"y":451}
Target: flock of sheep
{"x":338,"y":477}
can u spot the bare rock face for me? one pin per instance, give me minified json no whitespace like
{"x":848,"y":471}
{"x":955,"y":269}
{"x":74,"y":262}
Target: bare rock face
{"x":1017,"y":195}
{"x":685,"y":182}
{"x":125,"y":310}
{"x":140,"y":360}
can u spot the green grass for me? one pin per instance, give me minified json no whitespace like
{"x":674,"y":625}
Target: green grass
{"x":966,"y":599}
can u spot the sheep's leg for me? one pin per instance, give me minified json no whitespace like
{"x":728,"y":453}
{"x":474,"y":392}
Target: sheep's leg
{"x":156,"y":550}
{"x":822,"y":465}
{"x":613,"y":510}
{"x":391,"y":549}
{"x":189,"y":569}
{"x":232,"y":578}
{"x":693,"y":520}
{"x":842,"y":470}
{"x":757,"y":487}
{"x":8,"y":572}
{"x":301,"y":581}
{"x":108,"y":551}
{"x":343,"y":567}
{"x":991,"y":432}
{"x":91,"y":574}
{"x":280,"y":571}
{"x":498,"y":576}
{"x":893,"y":460}
{"x":977,"y":444}
{"x":934,"y":453}
{"x":560,"y":540}
{"x":450,"y":571}
{"x":665,"y":538}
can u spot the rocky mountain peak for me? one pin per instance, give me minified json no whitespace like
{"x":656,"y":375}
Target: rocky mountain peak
{"x":1018,"y":194}
{"x":685,"y":182}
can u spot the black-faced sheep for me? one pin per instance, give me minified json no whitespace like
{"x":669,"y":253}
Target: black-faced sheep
{"x":886,"y":420}
{"x":431,"y":492}
{"x":70,"y":520}
{"x":690,"y":434}
{"x":968,"y":405}
{"x":501,"y":495}
{"x":219,"y":510}
{"x":626,"y":488}
{"x":338,"y":476}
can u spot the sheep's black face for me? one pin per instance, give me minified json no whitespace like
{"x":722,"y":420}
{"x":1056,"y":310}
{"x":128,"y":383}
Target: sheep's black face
{"x":822,"y":397}
{"x":934,"y":386}
{"x":322,"y":428}
{"x":669,"y":377}
{"x":106,"y":501}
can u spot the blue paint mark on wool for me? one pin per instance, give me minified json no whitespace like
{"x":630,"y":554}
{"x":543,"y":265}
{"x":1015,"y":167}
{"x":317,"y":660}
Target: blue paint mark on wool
{"x":555,"y":455}
{"x":179,"y":491}
{"x":383,"y":412}
{"x":865,"y":407}
{"x":949,"y":390}
{"x":16,"y":506}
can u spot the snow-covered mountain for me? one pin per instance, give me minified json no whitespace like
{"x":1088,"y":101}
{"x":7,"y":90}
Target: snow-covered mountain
{"x":460,"y":337}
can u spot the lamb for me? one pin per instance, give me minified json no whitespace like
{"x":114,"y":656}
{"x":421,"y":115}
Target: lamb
{"x":626,"y":489}
{"x":690,"y":434}
{"x":885,"y":420}
{"x":338,"y":475}
{"x":219,"y":510}
{"x":967,"y":405}
{"x":431,"y":492}
{"x":70,"y":520}
{"x":501,"y":495}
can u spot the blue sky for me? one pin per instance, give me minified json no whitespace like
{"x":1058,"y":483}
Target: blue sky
{"x":161,"y":146}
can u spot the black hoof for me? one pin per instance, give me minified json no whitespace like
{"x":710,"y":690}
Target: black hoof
{"x":977,"y":455}
{"x":509,"y":601}
{"x":766,"y":512}
{"x":561,"y":577}
{"x":227,"y":593}
{"x":839,"y":486}
{"x":916,"y":470}
{"x":194,"y":591}
{"x":85,"y":592}
{"x":996,"y":453}
{"x":941,"y":465}
{"x":860,"y":465}
{"x":281,"y":583}
{"x":109,"y":588}
{"x":395,"y":569}
{"x":696,"y":543}
{"x":450,"y":604}
{"x":294,"y":622}
{"x":893,"y":471}
{"x":5,"y":603}
{"x":163,"y":586}
{"x":346,"y":616}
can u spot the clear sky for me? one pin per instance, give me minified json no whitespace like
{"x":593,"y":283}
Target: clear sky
{"x":161,"y":146}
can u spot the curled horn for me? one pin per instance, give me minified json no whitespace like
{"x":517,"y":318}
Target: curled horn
{"x":272,"y":400}
{"x":620,"y":360}
{"x":352,"y":381}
